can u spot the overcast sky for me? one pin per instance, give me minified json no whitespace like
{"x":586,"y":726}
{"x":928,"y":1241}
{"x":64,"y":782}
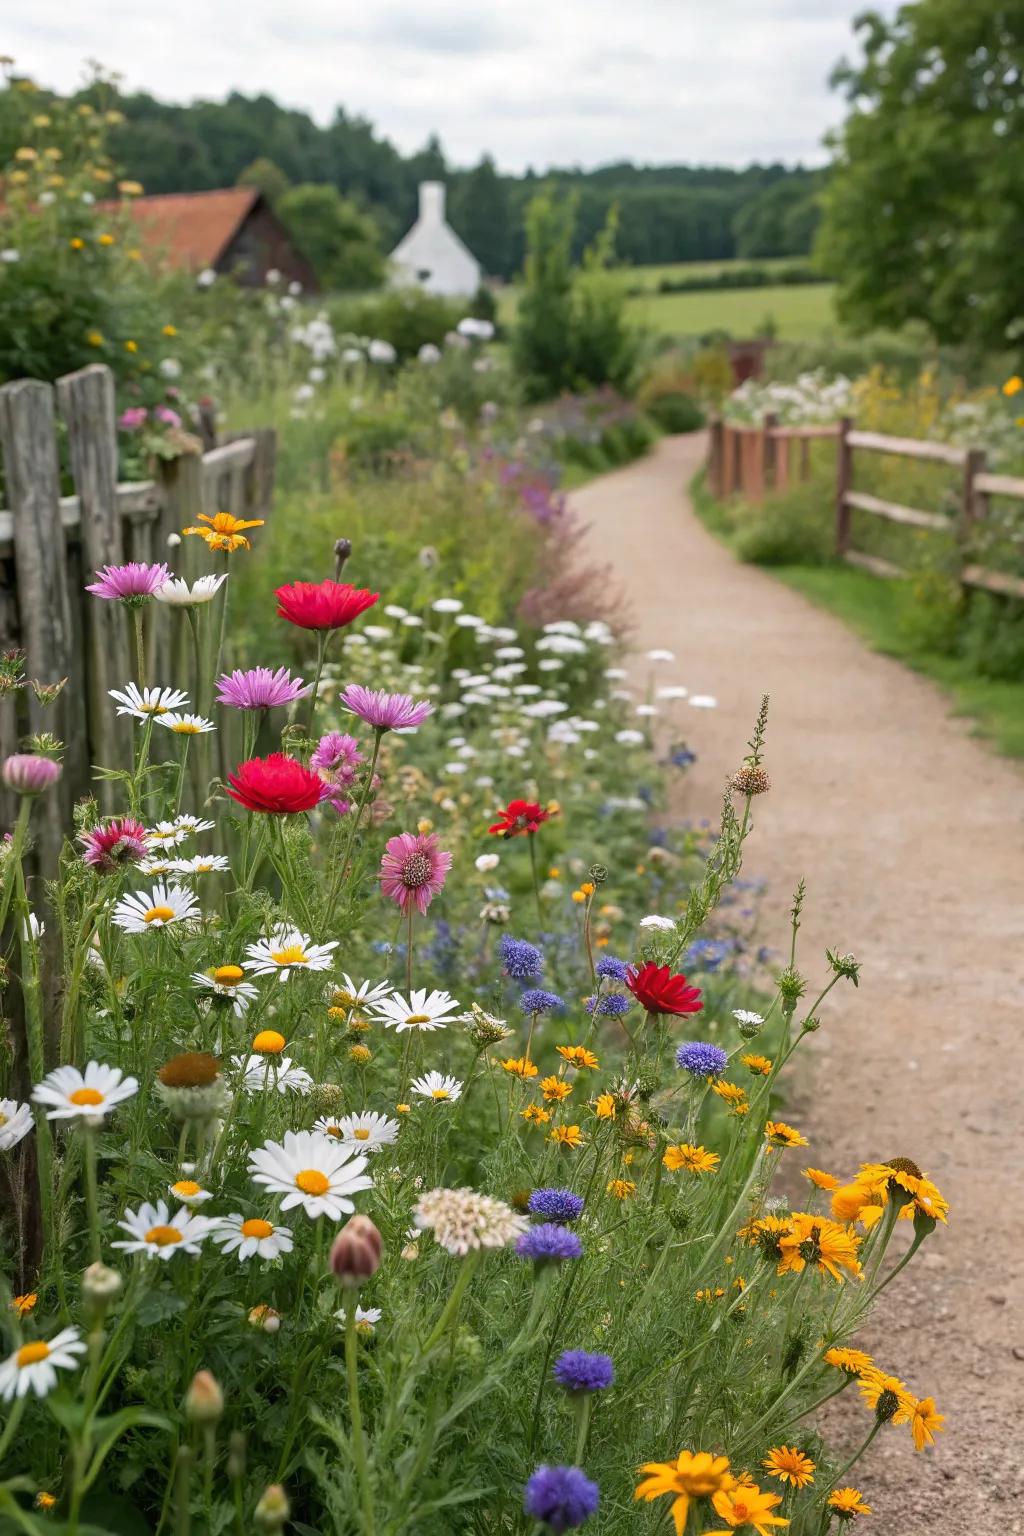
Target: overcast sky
{"x":536,"y":82}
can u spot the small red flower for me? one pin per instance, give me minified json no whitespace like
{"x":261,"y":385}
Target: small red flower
{"x":276,"y":784}
{"x":331,"y":605}
{"x":518,"y":817}
{"x":659,"y":991}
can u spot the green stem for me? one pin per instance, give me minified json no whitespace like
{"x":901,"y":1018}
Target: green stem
{"x":339,"y":872}
{"x":91,"y":1199}
{"x":140,"y":644}
{"x":16,"y":855}
{"x":530,"y":836}
{"x":356,"y":1417}
{"x":454,"y":1301}
{"x":323,"y":639}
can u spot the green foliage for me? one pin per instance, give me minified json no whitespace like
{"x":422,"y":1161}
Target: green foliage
{"x":268,"y":177}
{"x":341,"y":242}
{"x":782,"y":219}
{"x":674,"y":411}
{"x":408,"y":318}
{"x":992,"y":638}
{"x":480,"y":211}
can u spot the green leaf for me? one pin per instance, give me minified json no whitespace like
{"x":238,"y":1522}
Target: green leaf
{"x":157,"y":1307}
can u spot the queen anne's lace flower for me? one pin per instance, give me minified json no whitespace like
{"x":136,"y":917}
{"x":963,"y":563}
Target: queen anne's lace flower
{"x":463,"y":1220}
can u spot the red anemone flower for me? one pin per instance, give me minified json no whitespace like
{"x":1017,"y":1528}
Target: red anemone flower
{"x":519,"y":816}
{"x":659,"y":991}
{"x":329,"y":605}
{"x":276,"y":784}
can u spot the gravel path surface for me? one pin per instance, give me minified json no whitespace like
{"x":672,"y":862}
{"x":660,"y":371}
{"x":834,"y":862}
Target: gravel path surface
{"x":910,"y":836}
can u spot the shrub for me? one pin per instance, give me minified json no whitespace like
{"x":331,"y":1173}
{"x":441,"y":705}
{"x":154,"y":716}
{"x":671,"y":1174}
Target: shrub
{"x":406,"y":317}
{"x":674,"y":411}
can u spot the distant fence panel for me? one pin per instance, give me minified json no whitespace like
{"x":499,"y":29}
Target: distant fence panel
{"x":51,"y":544}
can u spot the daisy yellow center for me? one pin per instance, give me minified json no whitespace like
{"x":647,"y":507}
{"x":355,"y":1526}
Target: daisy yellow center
{"x":202,"y":868}
{"x":418,"y":1018}
{"x":335,"y":1131}
{"x":3,"y":1118}
{"x":185,"y":728}
{"x":162,"y":837}
{"x":312,"y":1182}
{"x":293,"y":955}
{"x":439,"y":1093}
{"x":159,"y":915}
{"x":361,"y":1134}
{"x":254,"y":1227}
{"x":86,"y":1096}
{"x":268,"y":1042}
{"x":227,"y":975}
{"x":186,"y":1188}
{"x":163,"y":1237}
{"x":32,"y":1354}
{"x":155,"y":709}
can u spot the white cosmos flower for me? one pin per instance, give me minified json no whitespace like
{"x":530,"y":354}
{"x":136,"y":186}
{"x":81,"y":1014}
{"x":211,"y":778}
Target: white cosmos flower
{"x":659,"y":924}
{"x":150,"y":701}
{"x":165,"y":904}
{"x":366,"y":1132}
{"x":226,"y":981}
{"x":703,"y":701}
{"x":367,"y":1318}
{"x":201,"y":864}
{"x":437,"y":1086}
{"x":661,"y":655}
{"x":154,"y":1232}
{"x":189,"y":1192}
{"x":179,"y":594}
{"x":629,"y":738}
{"x":252,"y":1237}
{"x":265,"y":1073}
{"x":312,"y":1171}
{"x":93,"y":1092}
{"x":286,"y":950}
{"x":543,"y":709}
{"x":166,"y":834}
{"x":468,"y":620}
{"x":420,"y":1010}
{"x":363,"y":994}
{"x":186,"y":725}
{"x":33,"y":1367}
{"x":15,"y":1122}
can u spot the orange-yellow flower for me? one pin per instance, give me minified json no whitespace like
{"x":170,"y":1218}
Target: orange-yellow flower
{"x":693,"y":1159}
{"x":225,"y":532}
{"x":847,"y":1502}
{"x":853,"y":1361}
{"x":24,"y":1304}
{"x":780,"y":1134}
{"x":887,"y":1395}
{"x":534,"y":1115}
{"x":731,"y":1093}
{"x":567,"y":1136}
{"x":925,"y":1423}
{"x":816,"y":1240}
{"x":520,"y":1066}
{"x":577,"y":1056}
{"x":746,"y":1504}
{"x":821,"y":1180}
{"x":757,"y":1065}
{"x":555,"y":1089}
{"x":621,"y":1189}
{"x":789,"y":1465}
{"x":693,"y":1475}
{"x":604,"y":1106}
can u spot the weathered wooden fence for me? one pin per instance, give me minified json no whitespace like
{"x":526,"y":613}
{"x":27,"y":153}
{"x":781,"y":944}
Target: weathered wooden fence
{"x":751,"y":460}
{"x":50,"y":545}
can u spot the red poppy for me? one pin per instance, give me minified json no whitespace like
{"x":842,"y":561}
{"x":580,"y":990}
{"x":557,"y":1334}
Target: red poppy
{"x":331,"y":605}
{"x":276,"y":784}
{"x":519,"y":816}
{"x":656,"y":989}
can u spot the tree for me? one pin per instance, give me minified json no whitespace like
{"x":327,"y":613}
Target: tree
{"x":781,"y":220}
{"x":542,"y":342}
{"x":341,"y":242}
{"x":924,"y":210}
{"x":268,"y":177}
{"x":480,"y":212}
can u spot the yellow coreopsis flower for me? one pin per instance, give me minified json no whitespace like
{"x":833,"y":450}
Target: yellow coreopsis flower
{"x":925,"y":1423}
{"x":693,"y":1475}
{"x":577,"y":1056}
{"x":23,"y":1305}
{"x":604,"y":1106}
{"x":816,"y":1240}
{"x":567,"y":1136}
{"x":520,"y":1066}
{"x":225,"y":532}
{"x":746,"y":1504}
{"x":780,"y":1134}
{"x":105,"y":240}
{"x":853,"y":1361}
{"x":534,"y":1115}
{"x":789,"y":1465}
{"x":821,"y":1180}
{"x":555,"y":1089}
{"x":621,"y":1189}
{"x":77,"y":243}
{"x":757,"y":1065}
{"x":847,"y":1502}
{"x":693,"y":1159}
{"x":731,"y":1093}
{"x":1013,"y":386}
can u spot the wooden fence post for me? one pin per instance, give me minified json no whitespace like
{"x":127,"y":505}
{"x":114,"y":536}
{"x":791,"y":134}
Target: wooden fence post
{"x":782,"y":451}
{"x":844,"y":481}
{"x":181,"y":480}
{"x":728,"y":459}
{"x":86,"y":401}
{"x":715,"y":456}
{"x":769,"y":451}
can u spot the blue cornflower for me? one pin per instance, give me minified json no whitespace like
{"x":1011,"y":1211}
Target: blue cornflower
{"x":578,"y":1371}
{"x":682,"y":757}
{"x":701,"y":1059}
{"x":707,"y":954}
{"x":612,"y":1005}
{"x":611,"y":968}
{"x":561,"y":1497}
{"x":519,"y":959}
{"x":536,"y":1000}
{"x":558,"y":1205}
{"x":549,"y":1243}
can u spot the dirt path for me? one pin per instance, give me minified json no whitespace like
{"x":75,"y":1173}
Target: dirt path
{"x":910,"y":836}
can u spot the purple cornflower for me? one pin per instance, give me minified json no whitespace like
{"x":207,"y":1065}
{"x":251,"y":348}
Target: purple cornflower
{"x":259,"y":688}
{"x":578,"y":1371}
{"x":561,"y":1497}
{"x":28,"y":774}
{"x":520,"y":960}
{"x":385,"y":711}
{"x":557,"y":1205}
{"x":336,"y":757}
{"x":701,"y":1059}
{"x":130,"y":583}
{"x":536,"y":1000}
{"x":613,"y":1005}
{"x":611,"y":968}
{"x":549,"y":1243}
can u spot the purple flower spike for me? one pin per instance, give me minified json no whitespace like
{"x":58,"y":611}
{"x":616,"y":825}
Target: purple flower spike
{"x":124,"y":583}
{"x":29,"y":775}
{"x":549,"y":1243}
{"x":561,"y":1497}
{"x":259,"y":688}
{"x":385,"y":711}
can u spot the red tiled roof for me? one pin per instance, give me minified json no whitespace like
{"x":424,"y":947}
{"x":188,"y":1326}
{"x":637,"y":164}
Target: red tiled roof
{"x":192,"y":229}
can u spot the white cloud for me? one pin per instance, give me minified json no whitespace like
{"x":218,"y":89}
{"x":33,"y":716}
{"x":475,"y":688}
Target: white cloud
{"x":536,"y":82}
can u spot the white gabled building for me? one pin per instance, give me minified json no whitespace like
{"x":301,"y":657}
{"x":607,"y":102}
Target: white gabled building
{"x":431,"y":255}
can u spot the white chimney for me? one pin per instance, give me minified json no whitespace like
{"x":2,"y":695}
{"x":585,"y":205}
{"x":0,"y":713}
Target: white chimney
{"x":432,"y":202}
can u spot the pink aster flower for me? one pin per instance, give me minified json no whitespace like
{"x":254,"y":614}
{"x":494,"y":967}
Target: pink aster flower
{"x":337,"y":798}
{"x":413,"y":869}
{"x":133,"y":418}
{"x":126,"y":583}
{"x":163,"y":413}
{"x":114,"y":844}
{"x":259,"y":688}
{"x":336,"y":758}
{"x":385,"y":711}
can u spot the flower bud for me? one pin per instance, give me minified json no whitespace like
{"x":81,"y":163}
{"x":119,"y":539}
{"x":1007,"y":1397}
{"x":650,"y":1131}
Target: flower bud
{"x":101,"y":1286}
{"x":204,"y":1400}
{"x":355,"y":1255}
{"x":273,"y":1509}
{"x":28,"y":774}
{"x":265,"y":1318}
{"x":236,"y":1456}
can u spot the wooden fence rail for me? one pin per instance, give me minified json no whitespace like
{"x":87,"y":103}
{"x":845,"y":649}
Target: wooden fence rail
{"x":51,"y":544}
{"x":750,"y":459}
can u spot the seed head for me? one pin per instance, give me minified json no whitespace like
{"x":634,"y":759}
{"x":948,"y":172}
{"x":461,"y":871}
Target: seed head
{"x":749,"y":781}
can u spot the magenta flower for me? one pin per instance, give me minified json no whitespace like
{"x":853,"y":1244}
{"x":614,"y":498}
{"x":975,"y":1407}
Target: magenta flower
{"x":335,"y":796}
{"x":116,"y":843}
{"x":259,"y":688}
{"x":129,"y":583}
{"x":336,"y":757}
{"x":28,"y":774}
{"x":167,"y":416}
{"x":413,"y":869}
{"x":385,"y":711}
{"x":133,"y":418}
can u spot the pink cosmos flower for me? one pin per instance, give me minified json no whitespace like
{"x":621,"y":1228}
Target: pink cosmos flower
{"x":127,"y":582}
{"x":385,"y":711}
{"x":259,"y":688}
{"x":133,"y":418}
{"x":167,"y":416}
{"x":113,"y":845}
{"x":28,"y":774}
{"x":336,"y":757}
{"x":413,"y":869}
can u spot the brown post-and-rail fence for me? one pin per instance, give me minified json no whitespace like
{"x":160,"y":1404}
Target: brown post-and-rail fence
{"x":750,"y":460}
{"x":50,"y":545}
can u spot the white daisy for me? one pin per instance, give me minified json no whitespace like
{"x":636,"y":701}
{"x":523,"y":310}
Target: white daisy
{"x":192,"y":824}
{"x":166,"y":834}
{"x":163,"y":905}
{"x":366,"y":1132}
{"x":265,"y":1073}
{"x":437,"y":1086}
{"x":185,"y":725}
{"x":92,"y":1093}
{"x":15,"y":1123}
{"x":420,"y":1010}
{"x":33,"y":1367}
{"x":227,"y":981}
{"x":286,"y":950}
{"x":179,"y":594}
{"x":189,"y":1192}
{"x":152,"y":1231}
{"x":158,"y":866}
{"x":747,"y":1016}
{"x":252,"y":1236}
{"x":200,"y":864}
{"x":363,"y":994}
{"x":367,"y":1318}
{"x":312,"y":1171}
{"x":149,"y":701}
